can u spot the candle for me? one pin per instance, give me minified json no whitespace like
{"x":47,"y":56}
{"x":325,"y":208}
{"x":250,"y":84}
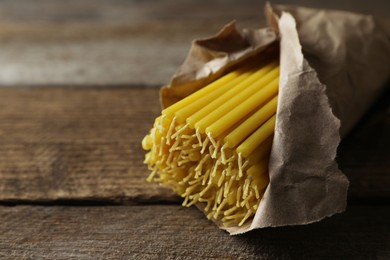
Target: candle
{"x":248,"y":105}
{"x":194,"y":106}
{"x":204,"y":91}
{"x":236,"y":100}
{"x":236,"y":90}
{"x":252,"y":123}
{"x":259,"y":136}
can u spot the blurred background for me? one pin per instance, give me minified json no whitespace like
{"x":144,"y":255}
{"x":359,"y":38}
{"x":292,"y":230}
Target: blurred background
{"x":120,"y":42}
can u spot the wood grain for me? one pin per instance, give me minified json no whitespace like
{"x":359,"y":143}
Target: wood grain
{"x":104,"y":42}
{"x":173,"y":232}
{"x":107,"y":42}
{"x":84,"y":144}
{"x":75,"y":144}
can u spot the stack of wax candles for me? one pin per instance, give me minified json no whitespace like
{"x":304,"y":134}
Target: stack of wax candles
{"x":212,"y":147}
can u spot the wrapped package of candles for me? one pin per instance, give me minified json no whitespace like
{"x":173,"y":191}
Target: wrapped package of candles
{"x":252,"y":119}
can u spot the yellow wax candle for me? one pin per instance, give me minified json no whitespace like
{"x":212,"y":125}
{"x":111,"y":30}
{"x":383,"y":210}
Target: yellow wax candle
{"x":258,"y":172}
{"x":183,"y":113}
{"x":268,"y":86}
{"x":260,"y":77}
{"x":251,"y":124}
{"x":261,"y":151}
{"x":147,"y":142}
{"x":217,"y":84}
{"x":258,"y":137}
{"x":233,"y":116}
{"x":200,"y":93}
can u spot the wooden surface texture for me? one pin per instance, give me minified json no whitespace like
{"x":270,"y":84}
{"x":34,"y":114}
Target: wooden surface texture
{"x":100,"y":42}
{"x":63,"y":150}
{"x":174,"y":232}
{"x":78,"y":91}
{"x":68,"y":144}
{"x":84,"y":144}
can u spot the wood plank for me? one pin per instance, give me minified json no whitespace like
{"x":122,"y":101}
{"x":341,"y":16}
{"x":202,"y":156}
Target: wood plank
{"x":71,"y":144}
{"x":107,"y":42}
{"x":84,"y":144}
{"x":120,"y":42}
{"x":173,"y":232}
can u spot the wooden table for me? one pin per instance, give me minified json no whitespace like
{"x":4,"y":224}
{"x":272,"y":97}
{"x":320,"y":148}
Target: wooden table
{"x":72,"y":182}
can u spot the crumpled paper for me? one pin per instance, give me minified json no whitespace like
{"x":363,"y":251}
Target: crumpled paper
{"x":334,"y":65}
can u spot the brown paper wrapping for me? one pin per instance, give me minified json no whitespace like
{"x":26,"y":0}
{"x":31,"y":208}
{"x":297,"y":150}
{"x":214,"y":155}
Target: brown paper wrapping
{"x":333,"y":66}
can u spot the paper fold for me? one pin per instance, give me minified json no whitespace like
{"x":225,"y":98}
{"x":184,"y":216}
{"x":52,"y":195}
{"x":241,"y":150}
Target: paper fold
{"x":210,"y":58}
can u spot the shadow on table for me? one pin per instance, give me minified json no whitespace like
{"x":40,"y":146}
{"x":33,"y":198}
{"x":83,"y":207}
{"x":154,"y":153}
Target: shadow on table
{"x":356,"y":234}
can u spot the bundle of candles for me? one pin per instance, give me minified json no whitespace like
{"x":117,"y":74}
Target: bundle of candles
{"x":212,"y":147}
